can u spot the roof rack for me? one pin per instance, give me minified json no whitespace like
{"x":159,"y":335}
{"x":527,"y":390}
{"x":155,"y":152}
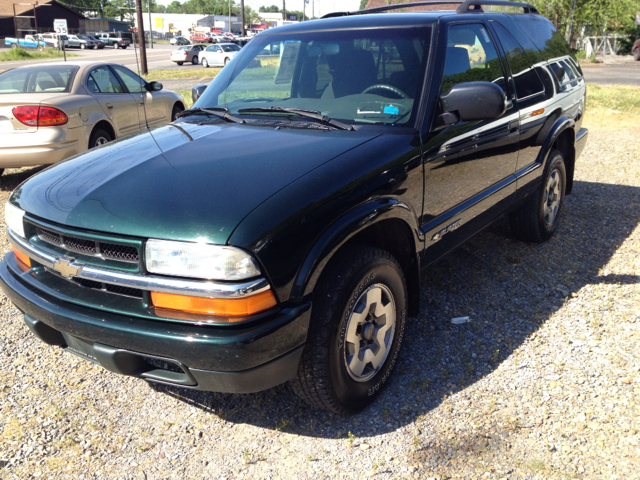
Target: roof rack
{"x":466,"y":6}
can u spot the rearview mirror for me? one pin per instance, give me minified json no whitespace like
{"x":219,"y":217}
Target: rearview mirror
{"x":470,"y":101}
{"x":197,"y":91}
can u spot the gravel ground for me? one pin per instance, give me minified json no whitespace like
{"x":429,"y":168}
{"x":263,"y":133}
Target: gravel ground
{"x":543,"y":383}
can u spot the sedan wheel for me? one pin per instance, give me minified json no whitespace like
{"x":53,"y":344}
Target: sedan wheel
{"x":205,"y":63}
{"x":116,"y":45}
{"x":194,"y":60}
{"x":83,"y":46}
{"x":226,"y":60}
{"x":99,"y":137}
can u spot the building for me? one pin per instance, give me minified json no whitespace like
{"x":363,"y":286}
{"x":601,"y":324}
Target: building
{"x":95,"y":25}
{"x":274,"y":19}
{"x":183,"y":23}
{"x":383,"y":3}
{"x":25,"y":20}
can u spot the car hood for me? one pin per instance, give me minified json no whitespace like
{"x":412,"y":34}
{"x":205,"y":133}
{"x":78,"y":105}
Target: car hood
{"x":182,"y":181}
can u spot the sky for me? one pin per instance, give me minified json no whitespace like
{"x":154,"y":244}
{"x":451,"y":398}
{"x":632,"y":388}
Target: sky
{"x":321,"y":7}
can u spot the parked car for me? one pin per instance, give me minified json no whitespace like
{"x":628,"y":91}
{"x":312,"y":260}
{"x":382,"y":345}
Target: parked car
{"x":184,"y":257}
{"x":179,"y":41}
{"x":187,"y":53}
{"x":52,"y":111}
{"x":200,"y":38}
{"x":636,"y":50}
{"x":54,"y":40}
{"x":218,"y":55}
{"x":29,"y":41}
{"x":99,"y":43}
{"x":80,"y":41}
{"x":114,"y":40}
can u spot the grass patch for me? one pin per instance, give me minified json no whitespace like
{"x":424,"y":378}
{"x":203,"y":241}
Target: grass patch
{"x":204,"y":74}
{"x":186,"y":94}
{"x":612,"y":107}
{"x":22,"y":54}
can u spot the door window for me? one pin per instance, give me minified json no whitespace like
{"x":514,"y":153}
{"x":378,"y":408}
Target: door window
{"x":525,"y":77}
{"x":471,"y":57}
{"x":133,"y":82}
{"x":102,"y":80}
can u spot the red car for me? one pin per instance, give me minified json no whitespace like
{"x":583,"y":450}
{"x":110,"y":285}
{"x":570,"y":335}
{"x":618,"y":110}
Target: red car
{"x":199,"y":38}
{"x":636,"y":50}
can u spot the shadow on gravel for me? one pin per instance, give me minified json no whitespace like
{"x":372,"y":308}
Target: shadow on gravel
{"x":508,"y":288}
{"x":14,"y":177}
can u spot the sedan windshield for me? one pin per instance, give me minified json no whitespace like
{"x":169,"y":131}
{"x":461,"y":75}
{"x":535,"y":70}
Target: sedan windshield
{"x":41,"y":79}
{"x":356,"y":76}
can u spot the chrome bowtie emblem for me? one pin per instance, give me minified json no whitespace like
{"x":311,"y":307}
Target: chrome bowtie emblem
{"x":66,"y":269}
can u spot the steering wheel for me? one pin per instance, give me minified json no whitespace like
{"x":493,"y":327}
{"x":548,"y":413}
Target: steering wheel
{"x":384,"y":86}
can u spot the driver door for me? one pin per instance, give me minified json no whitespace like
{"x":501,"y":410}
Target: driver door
{"x":469,"y":166}
{"x":151,"y":105}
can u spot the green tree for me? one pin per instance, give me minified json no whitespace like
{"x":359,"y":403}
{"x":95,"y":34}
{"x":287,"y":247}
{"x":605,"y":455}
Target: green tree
{"x":363,"y":4}
{"x":271,"y":9}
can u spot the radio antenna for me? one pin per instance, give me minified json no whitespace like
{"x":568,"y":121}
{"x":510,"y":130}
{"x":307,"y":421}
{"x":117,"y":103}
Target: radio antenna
{"x":142,"y":87}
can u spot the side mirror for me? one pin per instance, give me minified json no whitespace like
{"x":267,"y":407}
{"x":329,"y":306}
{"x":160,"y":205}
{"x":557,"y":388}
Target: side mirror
{"x":153,"y":86}
{"x":197,"y":91}
{"x":470,"y":101}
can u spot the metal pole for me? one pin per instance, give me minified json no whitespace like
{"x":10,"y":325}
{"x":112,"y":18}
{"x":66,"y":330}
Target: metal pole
{"x":150,"y":27}
{"x":143,"y":47}
{"x":229,"y":16}
{"x":15,"y":24}
{"x":284,"y":12}
{"x":243,"y":30}
{"x":35,"y":21}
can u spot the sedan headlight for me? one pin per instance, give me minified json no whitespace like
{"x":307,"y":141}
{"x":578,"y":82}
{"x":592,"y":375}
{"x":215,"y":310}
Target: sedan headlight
{"x":13,"y":219}
{"x":199,"y":260}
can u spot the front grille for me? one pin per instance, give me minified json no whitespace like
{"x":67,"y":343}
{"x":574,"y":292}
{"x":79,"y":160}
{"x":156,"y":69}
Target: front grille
{"x":110,"y":251}
{"x":107,"y":287}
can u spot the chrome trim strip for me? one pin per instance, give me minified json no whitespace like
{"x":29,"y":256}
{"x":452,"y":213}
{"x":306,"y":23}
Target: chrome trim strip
{"x":197,"y":288}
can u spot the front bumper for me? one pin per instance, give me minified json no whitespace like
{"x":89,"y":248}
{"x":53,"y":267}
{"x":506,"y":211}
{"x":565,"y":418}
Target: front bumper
{"x":237,"y":359}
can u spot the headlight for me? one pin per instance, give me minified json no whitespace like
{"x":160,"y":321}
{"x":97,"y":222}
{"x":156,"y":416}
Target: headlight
{"x":13,"y":219}
{"x":199,"y":260}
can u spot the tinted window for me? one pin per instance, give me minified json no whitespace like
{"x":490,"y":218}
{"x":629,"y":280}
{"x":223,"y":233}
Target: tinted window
{"x":55,"y":78}
{"x":133,"y":82}
{"x":544,"y":35}
{"x":471,"y":57}
{"x":525,"y":77}
{"x":230,"y":48}
{"x":102,"y":80}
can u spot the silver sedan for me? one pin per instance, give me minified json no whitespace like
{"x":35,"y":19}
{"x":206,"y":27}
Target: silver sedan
{"x":51,"y":111}
{"x":219,"y":54}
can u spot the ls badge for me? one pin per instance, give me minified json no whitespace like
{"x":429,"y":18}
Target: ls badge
{"x":449,"y":228}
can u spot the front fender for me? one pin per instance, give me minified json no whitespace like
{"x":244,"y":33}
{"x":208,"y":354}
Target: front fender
{"x":346,"y":227}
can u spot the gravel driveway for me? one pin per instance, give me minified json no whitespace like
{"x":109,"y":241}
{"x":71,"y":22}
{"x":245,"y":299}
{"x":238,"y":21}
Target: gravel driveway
{"x":543,"y":383}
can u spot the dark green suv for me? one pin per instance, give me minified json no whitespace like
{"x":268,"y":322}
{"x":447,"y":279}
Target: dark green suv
{"x":277,"y":230}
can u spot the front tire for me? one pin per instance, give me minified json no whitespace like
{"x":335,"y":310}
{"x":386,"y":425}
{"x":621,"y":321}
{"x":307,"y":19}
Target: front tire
{"x":356,"y":330}
{"x":538,"y":219}
{"x":176,"y":110}
{"x":83,"y":46}
{"x":205,"y":63}
{"x":226,"y":60}
{"x":116,"y":45}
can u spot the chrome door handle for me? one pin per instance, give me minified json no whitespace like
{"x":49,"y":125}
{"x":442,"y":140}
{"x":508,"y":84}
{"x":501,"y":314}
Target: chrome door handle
{"x":109,"y":105}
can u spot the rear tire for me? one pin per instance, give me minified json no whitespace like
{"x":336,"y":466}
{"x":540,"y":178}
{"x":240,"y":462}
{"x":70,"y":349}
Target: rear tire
{"x":205,"y":63}
{"x":116,"y":45}
{"x":226,"y":60}
{"x":99,"y":137}
{"x":1,"y":171}
{"x":83,"y":46}
{"x":636,"y":54}
{"x":355,"y":332}
{"x":194,"y":61}
{"x":538,"y":219}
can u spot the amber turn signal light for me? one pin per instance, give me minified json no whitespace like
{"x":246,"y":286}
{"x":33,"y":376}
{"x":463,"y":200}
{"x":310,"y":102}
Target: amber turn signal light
{"x":225,"y":307}
{"x":24,"y":262}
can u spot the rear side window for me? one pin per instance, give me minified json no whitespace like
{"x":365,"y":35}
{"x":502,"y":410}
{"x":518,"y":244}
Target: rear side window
{"x":525,"y":77}
{"x":544,"y":35}
{"x":41,"y":79}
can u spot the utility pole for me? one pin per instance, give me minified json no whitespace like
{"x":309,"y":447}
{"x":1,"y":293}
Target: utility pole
{"x":143,"y":46}
{"x":243,"y":31}
{"x":284,"y":12}
{"x":150,"y":27}
{"x":313,"y":13}
{"x":229,"y":16}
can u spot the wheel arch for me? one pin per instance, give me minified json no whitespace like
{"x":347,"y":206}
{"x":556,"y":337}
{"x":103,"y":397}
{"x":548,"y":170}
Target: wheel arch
{"x":103,"y":124}
{"x":561,"y":137}
{"x":384,"y":223}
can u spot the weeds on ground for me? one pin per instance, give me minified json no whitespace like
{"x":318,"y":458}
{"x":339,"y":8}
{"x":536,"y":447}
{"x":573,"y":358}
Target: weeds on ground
{"x":22,"y":54}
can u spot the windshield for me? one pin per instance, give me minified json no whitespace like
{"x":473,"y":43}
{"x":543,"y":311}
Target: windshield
{"x":41,"y":79}
{"x":356,"y":76}
{"x":230,"y":48}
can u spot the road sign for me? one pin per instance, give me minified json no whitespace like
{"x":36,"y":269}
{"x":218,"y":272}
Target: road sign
{"x":60,"y":26}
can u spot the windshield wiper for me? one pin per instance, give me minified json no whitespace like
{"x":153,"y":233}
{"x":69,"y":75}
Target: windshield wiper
{"x":301,"y":113}
{"x":219,"y":112}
